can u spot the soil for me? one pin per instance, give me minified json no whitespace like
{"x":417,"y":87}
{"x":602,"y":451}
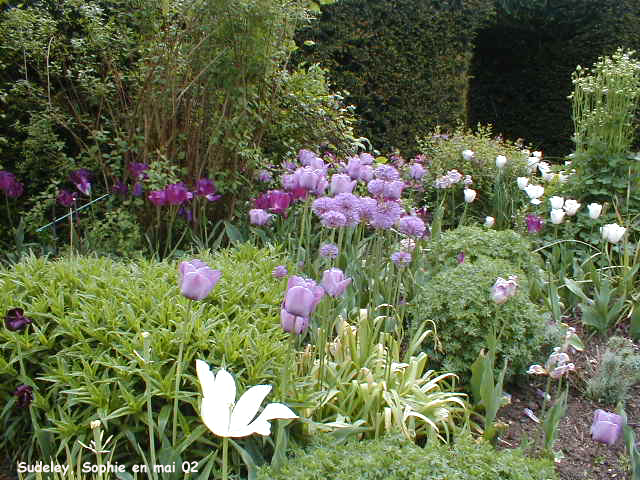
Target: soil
{"x":584,"y":458}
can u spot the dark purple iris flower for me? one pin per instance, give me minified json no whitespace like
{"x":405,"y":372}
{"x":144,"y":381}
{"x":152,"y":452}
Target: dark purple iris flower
{"x":15,"y":320}
{"x":137,"y":190}
{"x":275,"y":201}
{"x":207,"y":189}
{"x":177,"y":194}
{"x":534,"y":223}
{"x":186,"y":213}
{"x":66,"y":198}
{"x":80,"y":178}
{"x":120,"y":188}
{"x":10,"y":185}
{"x":25,"y":395}
{"x":136,"y":169}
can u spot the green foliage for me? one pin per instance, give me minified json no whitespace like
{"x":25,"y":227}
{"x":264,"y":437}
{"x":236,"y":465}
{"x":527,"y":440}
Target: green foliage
{"x":405,"y":64}
{"x":444,"y":153}
{"x":458,"y":300}
{"x":618,"y":370}
{"x":87,"y":359}
{"x":392,"y":458}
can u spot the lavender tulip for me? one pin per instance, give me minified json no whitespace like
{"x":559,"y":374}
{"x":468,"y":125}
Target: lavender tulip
{"x":334,"y":282}
{"x":302,"y":296}
{"x":503,"y":289}
{"x":259,"y":217}
{"x":341,"y":183}
{"x":293,"y":323}
{"x":412,"y":226}
{"x":606,"y":427}
{"x":197,"y":279}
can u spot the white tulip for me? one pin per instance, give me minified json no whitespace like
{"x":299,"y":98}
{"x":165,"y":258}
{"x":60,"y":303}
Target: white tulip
{"x":532,"y":163}
{"x":467,"y":154}
{"x":612,"y":232}
{"x":537,"y":154}
{"x":501,"y":161}
{"x":469,"y":195}
{"x":534,"y":192}
{"x":523,"y":182}
{"x":226,"y":418}
{"x":489,"y":222}
{"x":571,"y":207}
{"x":595,"y":209}
{"x":556,"y":202}
{"x":557,"y":216}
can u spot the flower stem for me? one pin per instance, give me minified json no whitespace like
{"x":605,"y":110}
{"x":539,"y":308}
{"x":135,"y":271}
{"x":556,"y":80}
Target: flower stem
{"x":185,"y":327}
{"x":225,"y":454}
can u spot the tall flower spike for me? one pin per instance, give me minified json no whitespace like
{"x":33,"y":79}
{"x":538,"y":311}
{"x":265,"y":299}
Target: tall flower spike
{"x":227,"y":418}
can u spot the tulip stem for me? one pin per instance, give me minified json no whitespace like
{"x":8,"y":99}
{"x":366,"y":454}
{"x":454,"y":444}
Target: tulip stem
{"x":185,"y":326}
{"x":225,"y":454}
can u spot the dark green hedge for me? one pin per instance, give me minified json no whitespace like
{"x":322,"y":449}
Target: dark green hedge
{"x":404,"y":62}
{"x":521,"y":71}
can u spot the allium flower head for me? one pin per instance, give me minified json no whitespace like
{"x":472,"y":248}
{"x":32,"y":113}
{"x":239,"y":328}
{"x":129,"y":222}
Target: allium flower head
{"x":401,"y":259}
{"x":386,"y":172}
{"x":416,"y":171}
{"x":368,"y":207}
{"x":329,"y":250}
{"x":259,"y":217}
{"x":411,"y":226}
{"x":348,"y":205}
{"x":322,"y":205}
{"x":280,"y":272}
{"x":386,"y":214}
{"x":333,"y":219}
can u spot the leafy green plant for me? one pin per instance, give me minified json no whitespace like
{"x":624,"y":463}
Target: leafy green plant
{"x":617,"y":371}
{"x":394,"y":458}
{"x":458,"y":301}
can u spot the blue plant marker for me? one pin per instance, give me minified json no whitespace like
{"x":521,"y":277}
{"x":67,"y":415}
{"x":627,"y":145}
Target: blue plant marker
{"x":71,"y":213}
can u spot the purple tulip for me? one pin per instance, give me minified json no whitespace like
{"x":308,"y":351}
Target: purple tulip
{"x":136,"y":169}
{"x":534,"y":223}
{"x":606,"y":427}
{"x":207,"y":189}
{"x":293,"y":323}
{"x":15,"y":320}
{"x":197,"y":279}
{"x":6,"y":180}
{"x":279,"y":201}
{"x":280,"y":272}
{"x":66,"y":198}
{"x":158,"y":198}
{"x":25,"y":396}
{"x":80,"y":178}
{"x":177,"y":194}
{"x":259,"y":217}
{"x":302,"y":296}
{"x":341,"y":183}
{"x":334,"y":282}
{"x":503,"y":289}
{"x":15,"y":190}
{"x":305,"y":156}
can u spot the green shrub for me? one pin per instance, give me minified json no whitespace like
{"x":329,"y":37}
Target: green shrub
{"x":85,"y":353}
{"x":458,"y":300}
{"x":392,"y":458}
{"x":618,"y":370}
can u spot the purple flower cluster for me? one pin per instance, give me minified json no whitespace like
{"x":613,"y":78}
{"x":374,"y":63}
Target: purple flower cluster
{"x":451,"y":178}
{"x":329,"y":250}
{"x":10,"y":185}
{"x":359,"y":168}
{"x":401,"y":259}
{"x":412,"y":226}
{"x":534,"y":223}
{"x":178,"y":193}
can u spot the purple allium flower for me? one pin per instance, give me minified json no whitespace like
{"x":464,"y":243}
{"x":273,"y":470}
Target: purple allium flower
{"x":341,"y":183}
{"x":197,"y":279}
{"x":606,"y":427}
{"x":412,"y":226}
{"x":136,"y":169}
{"x":66,"y":198}
{"x":137,"y":189}
{"x":158,"y":197}
{"x":25,"y":396}
{"x":305,"y":156}
{"x":334,"y":282}
{"x":80,"y":178}
{"x":293,"y":323}
{"x":177,"y":194}
{"x":289,"y":181}
{"x":393,"y":190}
{"x":264,"y":176}
{"x":348,"y":205}
{"x":386,"y":214}
{"x":280,"y":272}
{"x":329,"y":250}
{"x":207,"y":189}
{"x":534,"y":223}
{"x":322,"y":205}
{"x":401,"y":259}
{"x":259,"y":217}
{"x":376,"y":187}
{"x":386,"y":172}
{"x":366,"y":158}
{"x":120,"y":188}
{"x":333,"y":219}
{"x":6,"y":180}
{"x":15,"y":320}
{"x":454,"y":176}
{"x":368,"y":207}
{"x":460,"y":257}
{"x":416,"y":171}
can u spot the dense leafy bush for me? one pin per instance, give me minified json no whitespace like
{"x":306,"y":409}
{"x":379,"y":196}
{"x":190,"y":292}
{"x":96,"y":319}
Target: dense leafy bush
{"x":86,"y":358}
{"x":392,"y":458}
{"x":618,"y":370}
{"x":458,"y":300}
{"x":430,"y":44}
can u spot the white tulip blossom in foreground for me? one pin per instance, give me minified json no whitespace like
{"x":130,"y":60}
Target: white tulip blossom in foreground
{"x":227,"y":418}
